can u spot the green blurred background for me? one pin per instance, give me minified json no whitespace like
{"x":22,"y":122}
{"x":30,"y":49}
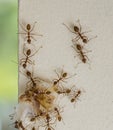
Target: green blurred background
{"x":8,"y":61}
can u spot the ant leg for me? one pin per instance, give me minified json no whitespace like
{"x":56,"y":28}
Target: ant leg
{"x":33,"y":26}
{"x":80,"y":27}
{"x":37,"y":34}
{"x":21,"y":33}
{"x":22,"y":60}
{"x":57,"y":74}
{"x":23,"y":28}
{"x":92,"y":38}
{"x":86,"y":32}
{"x":76,"y":38}
{"x":36,"y":52}
{"x":68,"y":28}
{"x":29,"y":61}
{"x":33,"y":38}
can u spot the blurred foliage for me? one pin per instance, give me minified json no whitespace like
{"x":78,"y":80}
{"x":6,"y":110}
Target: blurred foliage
{"x":8,"y":50}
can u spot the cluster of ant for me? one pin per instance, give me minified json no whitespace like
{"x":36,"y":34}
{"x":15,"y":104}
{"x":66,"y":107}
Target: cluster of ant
{"x":38,"y":106}
{"x":80,"y":41}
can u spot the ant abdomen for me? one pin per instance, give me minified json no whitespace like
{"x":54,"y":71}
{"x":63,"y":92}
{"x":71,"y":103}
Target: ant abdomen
{"x":28,"y":26}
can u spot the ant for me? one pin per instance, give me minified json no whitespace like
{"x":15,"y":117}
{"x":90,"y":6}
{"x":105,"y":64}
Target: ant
{"x":33,"y":128}
{"x":32,"y":80}
{"x":79,"y":33}
{"x":28,"y":32}
{"x":58,"y":114}
{"x":65,"y":91}
{"x":76,"y":96}
{"x":79,"y":48}
{"x":26,"y":60}
{"x":18,"y":124}
{"x":48,"y":119}
{"x":61,"y":77}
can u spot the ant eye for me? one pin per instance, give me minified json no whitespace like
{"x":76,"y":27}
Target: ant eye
{"x":76,"y":29}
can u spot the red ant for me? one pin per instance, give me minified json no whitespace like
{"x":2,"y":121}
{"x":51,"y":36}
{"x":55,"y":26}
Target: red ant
{"x":76,"y":96}
{"x":79,"y":48}
{"x":79,"y":33}
{"x":32,"y":80}
{"x":59,"y":118}
{"x":26,"y":60}
{"x":61,"y":77}
{"x":28,"y":29}
{"x":48,"y":119}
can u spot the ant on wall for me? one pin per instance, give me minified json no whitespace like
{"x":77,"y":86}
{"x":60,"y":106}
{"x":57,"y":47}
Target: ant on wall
{"x":28,"y":32}
{"x":79,"y":49}
{"x":61,"y":77}
{"x":28,"y":55}
{"x":75,"y":96}
{"x":58,"y":116}
{"x":18,"y":125}
{"x":48,"y":119}
{"x":79,"y":33}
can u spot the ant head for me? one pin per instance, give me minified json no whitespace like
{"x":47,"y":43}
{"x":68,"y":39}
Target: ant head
{"x":28,"y":73}
{"x":68,"y":91}
{"x":78,"y":46}
{"x":33,"y":128}
{"x":48,"y":92}
{"x":28,"y":52}
{"x":24,"y":65}
{"x":55,"y":109}
{"x":49,"y":128}
{"x":59,"y":118}
{"x":64,"y":74}
{"x":84,"y":60}
{"x":28,"y":26}
{"x":72,"y":100}
{"x":76,"y":29}
{"x":29,"y":40}
{"x":34,"y":84}
{"x":55,"y":82}
{"x":85,"y":40}
{"x":79,"y":92}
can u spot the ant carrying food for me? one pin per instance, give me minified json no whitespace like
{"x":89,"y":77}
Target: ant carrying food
{"x":28,"y":55}
{"x":28,"y":32}
{"x":79,"y":33}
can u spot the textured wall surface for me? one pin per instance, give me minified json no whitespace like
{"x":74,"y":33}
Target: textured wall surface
{"x":94,"y":111}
